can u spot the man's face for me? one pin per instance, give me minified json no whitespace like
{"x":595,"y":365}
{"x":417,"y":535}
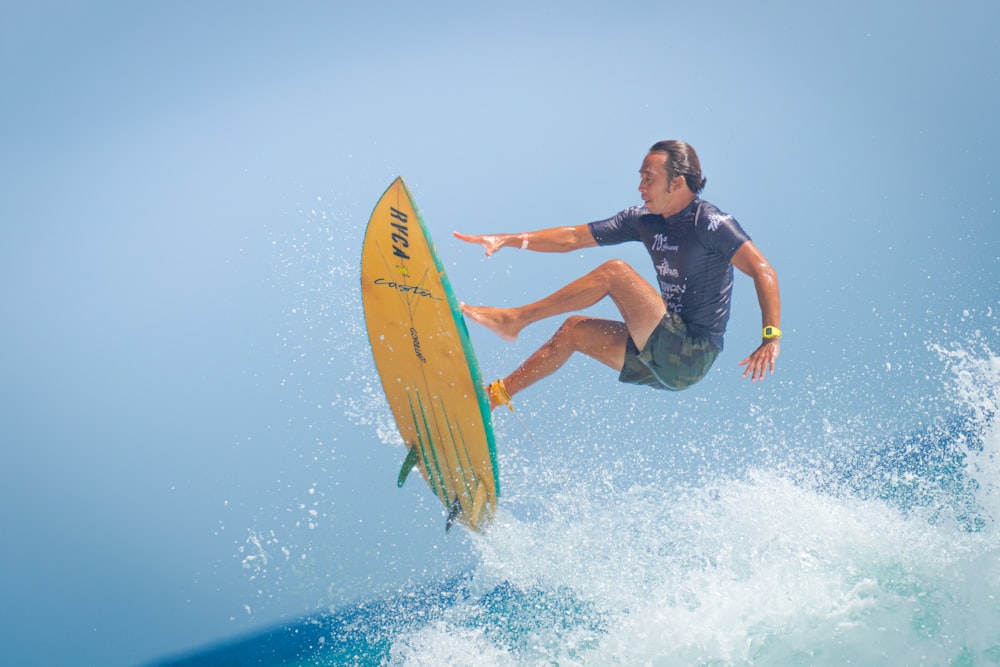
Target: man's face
{"x":661,"y":196}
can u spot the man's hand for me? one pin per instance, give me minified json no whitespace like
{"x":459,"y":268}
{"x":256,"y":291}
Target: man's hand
{"x":492,"y":242}
{"x":762,"y":360}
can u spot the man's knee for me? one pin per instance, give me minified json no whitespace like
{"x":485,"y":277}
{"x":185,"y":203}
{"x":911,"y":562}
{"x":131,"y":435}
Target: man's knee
{"x":568,"y":332}
{"x":616,"y":269}
{"x":569,"y":326}
{"x":616,"y":266}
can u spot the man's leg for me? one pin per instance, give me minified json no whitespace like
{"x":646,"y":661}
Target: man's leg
{"x":603,"y":340}
{"x":639,"y":303}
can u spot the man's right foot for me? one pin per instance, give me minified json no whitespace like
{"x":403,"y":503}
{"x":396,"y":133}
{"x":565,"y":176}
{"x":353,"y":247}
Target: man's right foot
{"x":496,"y":320}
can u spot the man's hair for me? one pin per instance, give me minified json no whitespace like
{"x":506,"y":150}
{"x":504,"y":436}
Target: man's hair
{"x":681,"y":161}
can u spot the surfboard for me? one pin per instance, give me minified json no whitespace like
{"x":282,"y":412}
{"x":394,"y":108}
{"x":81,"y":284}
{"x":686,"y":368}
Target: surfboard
{"x":426,"y":362}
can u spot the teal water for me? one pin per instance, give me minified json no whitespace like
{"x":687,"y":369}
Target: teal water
{"x":841,"y":555}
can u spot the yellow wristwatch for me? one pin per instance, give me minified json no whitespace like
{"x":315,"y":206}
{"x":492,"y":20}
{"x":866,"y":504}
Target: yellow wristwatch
{"x":771,"y":332}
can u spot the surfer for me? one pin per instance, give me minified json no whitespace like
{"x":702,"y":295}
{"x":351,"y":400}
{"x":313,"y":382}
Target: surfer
{"x":670,"y":336}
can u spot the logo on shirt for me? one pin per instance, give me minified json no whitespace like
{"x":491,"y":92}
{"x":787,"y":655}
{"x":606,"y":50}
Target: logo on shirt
{"x":661,"y":244}
{"x":715,"y":220}
{"x":664,"y":269}
{"x":672,"y":293}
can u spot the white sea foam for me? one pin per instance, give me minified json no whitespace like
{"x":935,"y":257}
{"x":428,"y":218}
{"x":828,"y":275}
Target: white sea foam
{"x":757,"y":568}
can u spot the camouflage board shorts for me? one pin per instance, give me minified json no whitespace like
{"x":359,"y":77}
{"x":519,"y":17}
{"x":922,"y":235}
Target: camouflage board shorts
{"x":672,"y":358}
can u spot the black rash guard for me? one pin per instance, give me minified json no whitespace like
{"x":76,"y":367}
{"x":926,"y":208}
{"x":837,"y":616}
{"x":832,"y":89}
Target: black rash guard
{"x":691,"y":252}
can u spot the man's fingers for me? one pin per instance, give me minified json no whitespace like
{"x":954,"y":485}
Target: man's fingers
{"x":488,"y":242}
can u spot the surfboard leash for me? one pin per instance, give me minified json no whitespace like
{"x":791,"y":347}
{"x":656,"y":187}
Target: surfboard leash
{"x":500,"y":396}
{"x":498,"y":392}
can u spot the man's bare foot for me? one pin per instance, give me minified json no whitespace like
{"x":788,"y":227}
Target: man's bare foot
{"x":497,"y":320}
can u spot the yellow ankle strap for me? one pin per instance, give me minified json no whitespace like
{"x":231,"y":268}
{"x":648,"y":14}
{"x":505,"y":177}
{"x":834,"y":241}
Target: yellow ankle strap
{"x":499,"y":394}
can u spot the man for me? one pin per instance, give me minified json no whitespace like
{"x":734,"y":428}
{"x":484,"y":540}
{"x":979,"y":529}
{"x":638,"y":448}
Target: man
{"x":670,"y":336}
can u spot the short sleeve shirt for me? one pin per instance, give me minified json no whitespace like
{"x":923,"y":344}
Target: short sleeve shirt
{"x":691,"y":252}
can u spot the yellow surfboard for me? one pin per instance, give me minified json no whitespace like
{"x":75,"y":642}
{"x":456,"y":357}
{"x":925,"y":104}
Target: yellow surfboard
{"x":424,"y":357}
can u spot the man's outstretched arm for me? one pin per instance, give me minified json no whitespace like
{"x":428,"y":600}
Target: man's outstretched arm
{"x":553,"y":239}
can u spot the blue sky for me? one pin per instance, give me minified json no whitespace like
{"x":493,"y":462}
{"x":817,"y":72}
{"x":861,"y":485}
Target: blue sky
{"x":185,"y":187}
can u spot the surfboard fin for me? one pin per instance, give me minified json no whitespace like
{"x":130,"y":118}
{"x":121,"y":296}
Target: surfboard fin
{"x":411,"y":461}
{"x":453,"y":512}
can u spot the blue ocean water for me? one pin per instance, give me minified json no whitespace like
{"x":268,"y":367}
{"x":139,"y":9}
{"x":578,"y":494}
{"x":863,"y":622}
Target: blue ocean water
{"x":849,"y":554}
